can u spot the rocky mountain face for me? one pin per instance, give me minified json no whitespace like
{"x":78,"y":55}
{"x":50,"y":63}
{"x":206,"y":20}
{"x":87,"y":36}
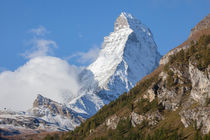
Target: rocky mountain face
{"x":201,"y":26}
{"x":173,"y":102}
{"x":127,"y":55}
{"x":46,"y":115}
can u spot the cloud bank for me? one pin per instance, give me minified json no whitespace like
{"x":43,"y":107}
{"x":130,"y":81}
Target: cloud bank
{"x":49,"y":76}
{"x":43,"y":74}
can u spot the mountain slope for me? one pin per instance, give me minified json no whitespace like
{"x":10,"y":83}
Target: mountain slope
{"x":45,"y":116}
{"x":170,"y":103}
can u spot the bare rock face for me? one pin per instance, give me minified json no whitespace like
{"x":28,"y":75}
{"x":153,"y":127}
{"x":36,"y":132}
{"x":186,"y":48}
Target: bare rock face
{"x":171,"y":98}
{"x":27,"y":122}
{"x":200,"y":84}
{"x":196,"y":111}
{"x":136,"y":119}
{"x":152,"y":118}
{"x":46,"y":115}
{"x":192,"y":94}
{"x":202,"y":25}
{"x":150,"y":95}
{"x":112,"y":122}
{"x":55,"y":112}
{"x":121,"y":22}
{"x":199,"y":117}
{"x":54,"y":107}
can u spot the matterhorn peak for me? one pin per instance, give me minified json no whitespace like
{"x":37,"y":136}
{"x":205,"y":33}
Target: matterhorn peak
{"x":127,"y":55}
{"x":126,"y":20}
{"x":126,"y":15}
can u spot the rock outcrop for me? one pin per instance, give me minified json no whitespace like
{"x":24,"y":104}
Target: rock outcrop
{"x":112,"y":122}
{"x":202,"y":25}
{"x":200,"y":84}
{"x":202,"y":28}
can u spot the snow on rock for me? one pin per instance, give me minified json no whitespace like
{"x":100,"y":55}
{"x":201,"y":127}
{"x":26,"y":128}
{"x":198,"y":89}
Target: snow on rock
{"x":127,"y":55}
{"x":45,"y":115}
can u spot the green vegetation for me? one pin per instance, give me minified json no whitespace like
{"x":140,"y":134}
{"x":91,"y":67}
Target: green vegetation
{"x":54,"y":137}
{"x":170,"y":79}
{"x":198,"y":55}
{"x":144,"y":106}
{"x":124,"y":101}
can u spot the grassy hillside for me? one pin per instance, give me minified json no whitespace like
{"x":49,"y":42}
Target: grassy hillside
{"x":170,"y":127}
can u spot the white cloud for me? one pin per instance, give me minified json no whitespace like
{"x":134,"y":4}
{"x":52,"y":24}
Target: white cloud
{"x":86,"y":57}
{"x":49,"y":76}
{"x":40,"y":47}
{"x":40,"y":31}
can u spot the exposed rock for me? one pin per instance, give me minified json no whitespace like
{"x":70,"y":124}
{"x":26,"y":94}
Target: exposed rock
{"x":192,"y":93}
{"x":164,"y":60}
{"x":150,"y":95}
{"x":196,"y":110}
{"x":154,"y":117}
{"x":27,"y":122}
{"x":112,"y":122}
{"x":202,"y":25}
{"x":151,"y":117}
{"x":200,"y":84}
{"x":46,"y":115}
{"x":198,"y":117}
{"x":169,"y":98}
{"x":136,"y":119}
{"x":54,"y":107}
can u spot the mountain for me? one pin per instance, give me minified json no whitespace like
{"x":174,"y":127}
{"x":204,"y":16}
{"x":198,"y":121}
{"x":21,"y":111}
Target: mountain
{"x":45,"y":115}
{"x":173,"y":102}
{"x":127,"y":55}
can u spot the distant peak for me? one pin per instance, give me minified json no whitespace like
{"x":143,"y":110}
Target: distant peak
{"x":39,"y":96}
{"x":41,"y":100}
{"x":125,"y":20}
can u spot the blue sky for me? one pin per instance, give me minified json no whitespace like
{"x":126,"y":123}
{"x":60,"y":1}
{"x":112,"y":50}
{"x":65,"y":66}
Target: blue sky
{"x":80,"y":25}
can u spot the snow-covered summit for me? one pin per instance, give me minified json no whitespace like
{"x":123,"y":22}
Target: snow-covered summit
{"x":126,"y":20}
{"x":130,"y":42}
{"x":127,"y":55}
